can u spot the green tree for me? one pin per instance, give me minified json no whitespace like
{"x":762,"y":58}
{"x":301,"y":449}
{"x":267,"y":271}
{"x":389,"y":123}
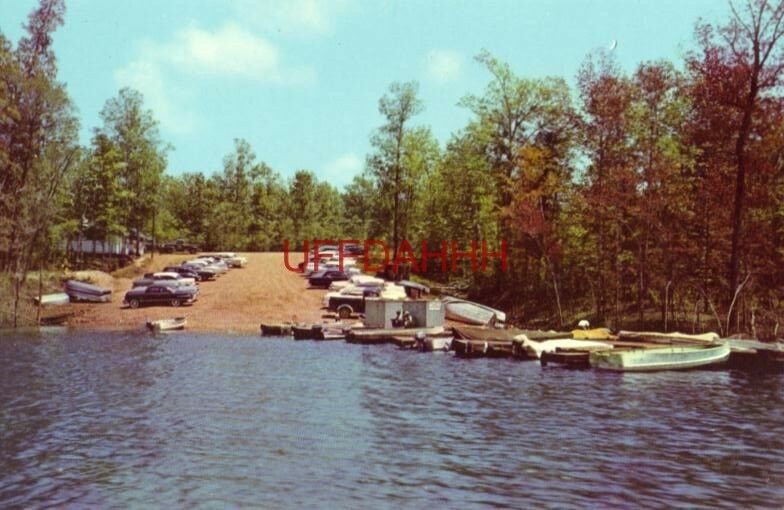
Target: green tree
{"x":386,"y":163}
{"x":134,"y":131}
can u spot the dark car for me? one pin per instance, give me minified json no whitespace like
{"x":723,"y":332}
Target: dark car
{"x":326,"y":277}
{"x":353,"y":250}
{"x":159,"y":295}
{"x":179,"y":245}
{"x":183,"y":271}
{"x":203,"y":271}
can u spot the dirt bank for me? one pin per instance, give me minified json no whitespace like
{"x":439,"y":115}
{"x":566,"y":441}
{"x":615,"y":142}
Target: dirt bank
{"x":237,"y":302}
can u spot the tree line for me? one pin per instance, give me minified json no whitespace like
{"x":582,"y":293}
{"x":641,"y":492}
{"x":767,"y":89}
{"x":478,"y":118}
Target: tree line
{"x":647,"y":198}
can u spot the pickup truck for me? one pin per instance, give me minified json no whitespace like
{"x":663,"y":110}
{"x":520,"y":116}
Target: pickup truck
{"x":180,"y":245}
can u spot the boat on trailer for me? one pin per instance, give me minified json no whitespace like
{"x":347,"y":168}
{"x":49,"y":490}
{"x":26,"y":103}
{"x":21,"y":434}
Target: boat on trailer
{"x":674,"y":357}
{"x":80,"y":291}
{"x":167,"y":324}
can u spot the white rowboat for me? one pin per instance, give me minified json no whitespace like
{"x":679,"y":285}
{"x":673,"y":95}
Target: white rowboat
{"x":167,"y":324}
{"x":675,"y":357}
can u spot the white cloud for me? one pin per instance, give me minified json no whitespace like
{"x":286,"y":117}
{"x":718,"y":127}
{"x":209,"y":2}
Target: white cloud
{"x":170,"y":110}
{"x":230,"y":51}
{"x":443,"y":66}
{"x":292,"y":17}
{"x":341,"y":171}
{"x":161,"y":70}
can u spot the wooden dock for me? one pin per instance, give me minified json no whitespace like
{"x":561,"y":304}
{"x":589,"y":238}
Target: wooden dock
{"x":371,"y":336}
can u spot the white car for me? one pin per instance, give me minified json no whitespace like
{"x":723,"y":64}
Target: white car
{"x":165,"y":275}
{"x":351,"y":290}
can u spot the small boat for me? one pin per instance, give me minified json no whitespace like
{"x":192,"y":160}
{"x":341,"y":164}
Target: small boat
{"x":306,"y":332}
{"x":469,"y":312}
{"x":477,"y":348}
{"x":534,"y":349}
{"x":279,"y":329}
{"x":386,"y":335}
{"x":337,"y":332}
{"x":59,"y":298}
{"x":592,"y":334}
{"x":673,"y":338}
{"x":434,"y":343}
{"x":55,"y":319}
{"x":749,"y":354}
{"x":566,"y":359}
{"x":167,"y":324}
{"x":80,"y":291}
{"x":674,"y":357}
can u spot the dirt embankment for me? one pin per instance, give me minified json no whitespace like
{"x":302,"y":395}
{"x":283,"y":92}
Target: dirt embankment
{"x":238,"y":301}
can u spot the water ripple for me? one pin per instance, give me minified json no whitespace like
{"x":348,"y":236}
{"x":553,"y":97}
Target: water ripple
{"x":132,"y":420}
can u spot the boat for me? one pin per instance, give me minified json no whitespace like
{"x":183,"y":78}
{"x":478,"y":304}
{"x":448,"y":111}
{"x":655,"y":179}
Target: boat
{"x":592,"y":334}
{"x":59,"y":298}
{"x":306,"y":331}
{"x":534,"y":349}
{"x":469,"y":312}
{"x":465,"y":348}
{"x":56,"y":319}
{"x":675,"y":337}
{"x":433,"y":343}
{"x":386,"y":335}
{"x":674,"y":357}
{"x":749,"y":354}
{"x":566,"y":359}
{"x":277,"y":329}
{"x":81,"y":291}
{"x":336,"y":332}
{"x":167,"y":324}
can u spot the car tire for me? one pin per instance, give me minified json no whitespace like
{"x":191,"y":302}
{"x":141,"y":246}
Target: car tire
{"x":133,"y":303}
{"x":344,"y":311}
{"x":175,"y":302}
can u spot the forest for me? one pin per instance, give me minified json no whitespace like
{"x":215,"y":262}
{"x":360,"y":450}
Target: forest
{"x":650,"y":199}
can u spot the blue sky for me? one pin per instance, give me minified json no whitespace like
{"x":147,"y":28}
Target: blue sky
{"x":300,"y":79}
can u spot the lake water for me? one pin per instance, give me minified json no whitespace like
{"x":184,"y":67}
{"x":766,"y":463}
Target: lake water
{"x":125,"y":420}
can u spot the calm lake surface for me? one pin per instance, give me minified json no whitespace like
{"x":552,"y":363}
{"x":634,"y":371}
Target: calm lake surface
{"x":125,"y":420}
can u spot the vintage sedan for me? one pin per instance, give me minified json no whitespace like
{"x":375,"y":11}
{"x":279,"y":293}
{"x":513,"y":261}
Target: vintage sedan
{"x":184,"y":272}
{"x":326,"y":277}
{"x":159,"y":295}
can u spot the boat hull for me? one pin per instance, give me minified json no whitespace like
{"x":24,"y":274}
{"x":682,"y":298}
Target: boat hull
{"x":167,"y":324}
{"x":469,"y":312}
{"x":80,"y":291}
{"x":676,"y":357}
{"x":282,"y":329}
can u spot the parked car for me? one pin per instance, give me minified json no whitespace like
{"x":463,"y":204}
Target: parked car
{"x":230,"y":258}
{"x":216,"y":265}
{"x":179,"y":245}
{"x":202,"y":269}
{"x":354,"y":250}
{"x":146,"y":282}
{"x":326,"y":277}
{"x":184,"y":272}
{"x":159,"y":295}
{"x":171,"y":275}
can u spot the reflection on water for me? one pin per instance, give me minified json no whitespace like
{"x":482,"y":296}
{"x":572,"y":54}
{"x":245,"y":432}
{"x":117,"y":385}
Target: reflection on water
{"x":119,"y":420}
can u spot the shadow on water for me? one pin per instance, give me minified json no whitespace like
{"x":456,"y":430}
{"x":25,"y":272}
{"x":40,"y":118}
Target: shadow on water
{"x":183,"y":420}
